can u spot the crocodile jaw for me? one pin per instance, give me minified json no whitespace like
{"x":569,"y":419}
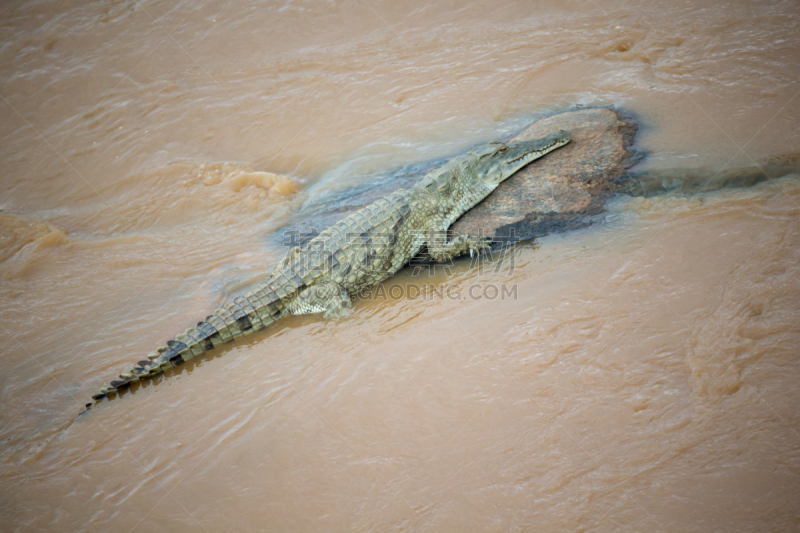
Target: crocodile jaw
{"x":511,"y":157}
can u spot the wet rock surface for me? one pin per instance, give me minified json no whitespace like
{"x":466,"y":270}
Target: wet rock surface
{"x":315,"y":217}
{"x":566,"y":188}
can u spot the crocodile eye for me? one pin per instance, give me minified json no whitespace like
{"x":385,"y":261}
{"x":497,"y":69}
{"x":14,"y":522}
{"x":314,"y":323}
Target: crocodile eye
{"x":443,"y":182}
{"x":502,"y":149}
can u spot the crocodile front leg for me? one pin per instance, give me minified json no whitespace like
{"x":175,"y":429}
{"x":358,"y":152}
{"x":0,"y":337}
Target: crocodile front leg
{"x":329,"y":298}
{"x":441,"y":250}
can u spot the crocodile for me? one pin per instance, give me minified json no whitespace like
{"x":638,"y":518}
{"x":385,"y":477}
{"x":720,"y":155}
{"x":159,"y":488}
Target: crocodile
{"x":356,"y":253}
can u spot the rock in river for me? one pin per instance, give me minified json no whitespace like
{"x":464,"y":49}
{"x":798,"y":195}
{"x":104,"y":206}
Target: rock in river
{"x":561,"y":191}
{"x":564,"y":189}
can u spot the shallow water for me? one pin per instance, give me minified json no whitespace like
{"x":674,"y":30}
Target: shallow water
{"x":637,"y":375}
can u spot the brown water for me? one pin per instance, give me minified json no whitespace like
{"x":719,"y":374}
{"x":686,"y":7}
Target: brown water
{"x":643,"y":377}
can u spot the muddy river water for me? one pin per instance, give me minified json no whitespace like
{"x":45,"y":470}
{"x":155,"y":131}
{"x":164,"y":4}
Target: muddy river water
{"x":637,"y":375}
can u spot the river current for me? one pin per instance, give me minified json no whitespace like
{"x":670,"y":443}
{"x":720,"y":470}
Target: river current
{"x":636,"y":375}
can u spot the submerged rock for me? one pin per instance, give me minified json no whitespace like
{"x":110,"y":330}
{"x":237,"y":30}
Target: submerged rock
{"x":696,"y":180}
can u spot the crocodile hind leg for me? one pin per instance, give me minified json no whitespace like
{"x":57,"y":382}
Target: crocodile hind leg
{"x":329,"y":298}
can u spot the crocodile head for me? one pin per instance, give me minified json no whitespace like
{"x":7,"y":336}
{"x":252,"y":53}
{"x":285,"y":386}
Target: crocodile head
{"x":496,"y":162}
{"x":466,"y":180}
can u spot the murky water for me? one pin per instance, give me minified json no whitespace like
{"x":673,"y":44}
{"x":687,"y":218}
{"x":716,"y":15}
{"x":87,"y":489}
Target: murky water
{"x":637,"y":375}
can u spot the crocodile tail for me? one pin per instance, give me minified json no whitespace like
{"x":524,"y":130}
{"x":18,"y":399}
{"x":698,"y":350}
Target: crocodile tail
{"x":250,"y":312}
